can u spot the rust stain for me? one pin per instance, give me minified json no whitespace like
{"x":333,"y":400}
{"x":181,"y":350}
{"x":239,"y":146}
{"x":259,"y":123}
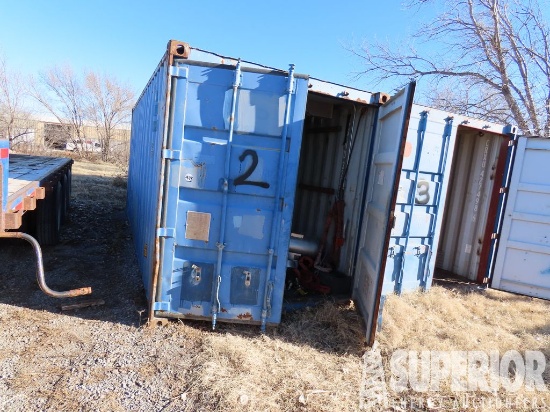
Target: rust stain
{"x":224,"y":310}
{"x":246,"y":315}
{"x":408,"y":149}
{"x":360,"y":100}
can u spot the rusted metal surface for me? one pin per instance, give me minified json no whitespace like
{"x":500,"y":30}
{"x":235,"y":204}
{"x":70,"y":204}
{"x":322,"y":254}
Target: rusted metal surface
{"x":13,"y":220}
{"x":178,"y":48}
{"x":159,"y":241}
{"x":29,"y":203}
{"x":40,"y":193}
{"x":497,"y":177}
{"x":380,"y":98}
{"x":40,"y":269}
{"x":245,"y":316}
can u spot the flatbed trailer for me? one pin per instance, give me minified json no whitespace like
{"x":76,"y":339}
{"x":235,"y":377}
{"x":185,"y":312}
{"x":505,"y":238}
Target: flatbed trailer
{"x":35,"y":198}
{"x":33,"y":179}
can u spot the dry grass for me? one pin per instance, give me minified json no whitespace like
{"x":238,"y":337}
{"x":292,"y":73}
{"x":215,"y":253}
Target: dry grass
{"x":98,"y":183}
{"x":446,"y":319}
{"x":468,"y":319}
{"x":312,"y":362}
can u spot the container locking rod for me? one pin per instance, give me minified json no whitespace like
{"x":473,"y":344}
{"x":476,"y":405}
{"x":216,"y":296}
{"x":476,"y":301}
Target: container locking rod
{"x":40,"y":268}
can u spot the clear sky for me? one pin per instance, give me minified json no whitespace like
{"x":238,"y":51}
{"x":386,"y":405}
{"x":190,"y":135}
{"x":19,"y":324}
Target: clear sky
{"x":127,"y":38}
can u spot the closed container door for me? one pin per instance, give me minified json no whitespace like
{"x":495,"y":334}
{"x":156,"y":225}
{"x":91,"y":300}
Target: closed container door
{"x":388,"y":145}
{"x":233,"y":153}
{"x":420,"y":187}
{"x":523,"y":257}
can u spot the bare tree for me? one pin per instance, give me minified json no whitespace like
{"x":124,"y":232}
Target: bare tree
{"x":108,"y":108}
{"x":491,"y":56}
{"x":14,"y":114}
{"x":62,"y":94}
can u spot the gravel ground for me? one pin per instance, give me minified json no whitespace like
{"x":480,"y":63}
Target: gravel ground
{"x":95,"y":358}
{"x":106,"y":357}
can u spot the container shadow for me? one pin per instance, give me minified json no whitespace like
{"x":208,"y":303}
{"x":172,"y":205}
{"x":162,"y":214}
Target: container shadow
{"x":95,"y":250}
{"x":466,"y":286}
{"x":332,"y":326}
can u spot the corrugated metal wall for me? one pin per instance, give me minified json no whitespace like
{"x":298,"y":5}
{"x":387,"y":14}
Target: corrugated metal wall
{"x":469,"y":195}
{"x":327,"y":126}
{"x":144,"y":170}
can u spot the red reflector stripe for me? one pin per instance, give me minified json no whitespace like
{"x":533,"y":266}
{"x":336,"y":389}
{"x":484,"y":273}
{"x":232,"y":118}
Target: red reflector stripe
{"x":4,"y":153}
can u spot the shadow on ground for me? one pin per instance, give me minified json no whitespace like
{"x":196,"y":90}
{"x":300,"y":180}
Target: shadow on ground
{"x":96,"y":250}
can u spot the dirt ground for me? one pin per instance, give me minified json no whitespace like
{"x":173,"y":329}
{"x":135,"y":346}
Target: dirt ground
{"x":105,"y":358}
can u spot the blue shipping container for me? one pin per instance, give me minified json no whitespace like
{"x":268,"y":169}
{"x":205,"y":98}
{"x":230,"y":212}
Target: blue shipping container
{"x":214,"y":158}
{"x":230,"y":159}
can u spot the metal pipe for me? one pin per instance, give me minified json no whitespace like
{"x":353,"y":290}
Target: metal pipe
{"x":40,"y":269}
{"x":303,"y":246}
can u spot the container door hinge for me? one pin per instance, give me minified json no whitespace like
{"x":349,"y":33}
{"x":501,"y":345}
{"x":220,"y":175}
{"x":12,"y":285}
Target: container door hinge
{"x":164,"y":306}
{"x":171,"y":154}
{"x":503,"y":190}
{"x":512,"y":143}
{"x":166,"y":232}
{"x":495,"y":236}
{"x":178,"y":71}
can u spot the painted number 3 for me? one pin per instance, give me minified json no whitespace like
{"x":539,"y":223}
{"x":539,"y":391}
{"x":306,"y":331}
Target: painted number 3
{"x":423,"y":192}
{"x":243,"y":179}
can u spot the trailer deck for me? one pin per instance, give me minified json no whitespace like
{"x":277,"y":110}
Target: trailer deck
{"x":29,"y":175}
{"x":32,"y":178}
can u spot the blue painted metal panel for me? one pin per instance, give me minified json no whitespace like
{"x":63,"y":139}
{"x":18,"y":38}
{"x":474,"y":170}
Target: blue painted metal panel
{"x":222,"y":186}
{"x":4,"y":162}
{"x":144,"y":173}
{"x":423,"y":180}
{"x":421,"y":198}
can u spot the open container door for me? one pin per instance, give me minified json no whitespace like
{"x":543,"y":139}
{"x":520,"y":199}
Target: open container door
{"x":379,"y":204}
{"x":523,"y":257}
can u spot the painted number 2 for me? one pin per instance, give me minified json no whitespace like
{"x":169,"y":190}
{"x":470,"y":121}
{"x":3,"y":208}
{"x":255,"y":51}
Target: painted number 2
{"x":242,"y":179}
{"x":423,"y":192}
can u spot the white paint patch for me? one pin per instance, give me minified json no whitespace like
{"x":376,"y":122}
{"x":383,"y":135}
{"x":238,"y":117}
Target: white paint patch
{"x":381,"y":177}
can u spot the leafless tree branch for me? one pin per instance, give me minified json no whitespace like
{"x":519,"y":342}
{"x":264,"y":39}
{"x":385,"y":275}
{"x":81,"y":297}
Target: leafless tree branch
{"x":494,"y":53}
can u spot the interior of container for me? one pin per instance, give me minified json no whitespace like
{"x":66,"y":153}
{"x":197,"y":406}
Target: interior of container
{"x":471,"y":202}
{"x":331,"y":179}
